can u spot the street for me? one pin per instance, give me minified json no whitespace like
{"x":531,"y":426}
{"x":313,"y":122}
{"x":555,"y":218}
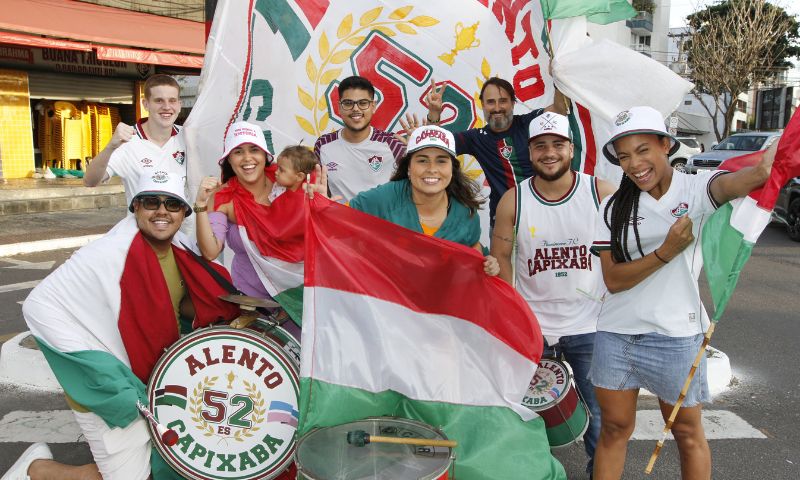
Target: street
{"x":752,"y":427}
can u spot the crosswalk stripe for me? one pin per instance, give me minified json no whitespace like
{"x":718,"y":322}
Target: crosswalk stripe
{"x":13,"y":287}
{"x":718,"y":424}
{"x":50,"y":426}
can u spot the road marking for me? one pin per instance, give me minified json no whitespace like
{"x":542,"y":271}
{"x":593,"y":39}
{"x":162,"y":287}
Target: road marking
{"x":13,"y":287}
{"x":50,"y":426}
{"x":23,"y":265}
{"x":718,"y":424}
{"x":44,"y":245}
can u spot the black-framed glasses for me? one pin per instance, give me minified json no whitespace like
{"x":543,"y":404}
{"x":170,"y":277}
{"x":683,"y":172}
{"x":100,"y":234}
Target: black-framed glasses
{"x":363,"y":104}
{"x":152,"y":202}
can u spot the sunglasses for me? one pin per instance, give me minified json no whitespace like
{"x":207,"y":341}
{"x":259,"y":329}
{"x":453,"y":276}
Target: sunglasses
{"x":153,"y":203}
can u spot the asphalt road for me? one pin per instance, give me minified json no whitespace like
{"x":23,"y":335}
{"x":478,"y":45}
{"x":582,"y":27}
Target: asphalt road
{"x":758,"y":332}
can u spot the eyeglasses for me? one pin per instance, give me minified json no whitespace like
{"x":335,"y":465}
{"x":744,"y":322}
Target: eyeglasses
{"x":363,"y":104}
{"x":153,"y":203}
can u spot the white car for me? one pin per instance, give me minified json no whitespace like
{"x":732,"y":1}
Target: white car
{"x":688,"y":147}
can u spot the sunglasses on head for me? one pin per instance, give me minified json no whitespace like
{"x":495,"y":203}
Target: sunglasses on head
{"x":152,"y":202}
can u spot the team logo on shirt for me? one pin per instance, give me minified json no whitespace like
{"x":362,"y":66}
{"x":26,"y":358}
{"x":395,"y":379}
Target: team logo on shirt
{"x":505,"y":150}
{"x":146,"y":162}
{"x":637,"y":221}
{"x":375,"y":162}
{"x":179,"y":157}
{"x":681,"y":210}
{"x":332,"y":166}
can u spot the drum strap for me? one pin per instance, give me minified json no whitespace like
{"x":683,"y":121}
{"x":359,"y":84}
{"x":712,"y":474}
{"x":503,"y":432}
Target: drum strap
{"x":221,"y":281}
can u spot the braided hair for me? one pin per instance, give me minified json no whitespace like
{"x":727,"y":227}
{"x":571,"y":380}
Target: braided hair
{"x":624,"y":206}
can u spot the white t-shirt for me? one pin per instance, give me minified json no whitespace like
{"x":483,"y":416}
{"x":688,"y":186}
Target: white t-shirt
{"x":357,"y":167}
{"x":140,"y":156}
{"x":554,"y":269}
{"x":668,"y":301}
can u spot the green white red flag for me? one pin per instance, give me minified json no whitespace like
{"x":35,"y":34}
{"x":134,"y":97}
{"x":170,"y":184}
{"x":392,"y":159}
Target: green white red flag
{"x":732,"y":231}
{"x":399,"y":324}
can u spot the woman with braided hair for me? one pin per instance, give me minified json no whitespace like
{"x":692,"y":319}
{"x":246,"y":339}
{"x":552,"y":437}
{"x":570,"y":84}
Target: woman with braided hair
{"x":652,"y":321}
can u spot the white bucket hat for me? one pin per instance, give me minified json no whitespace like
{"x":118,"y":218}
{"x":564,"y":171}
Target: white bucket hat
{"x":550,"y":123}
{"x":243,"y":132}
{"x":162,"y":183}
{"x":637,"y":120}
{"x":431,"y":136}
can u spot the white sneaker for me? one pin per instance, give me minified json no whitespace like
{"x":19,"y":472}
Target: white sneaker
{"x":19,"y":471}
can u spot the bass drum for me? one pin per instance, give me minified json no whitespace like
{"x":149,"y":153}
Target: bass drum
{"x":232,"y":397}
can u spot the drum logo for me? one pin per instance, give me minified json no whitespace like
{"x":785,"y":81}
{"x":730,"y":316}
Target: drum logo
{"x":231,"y":396}
{"x":548,"y":384}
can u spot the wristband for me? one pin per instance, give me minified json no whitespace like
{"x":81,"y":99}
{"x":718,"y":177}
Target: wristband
{"x":199,"y":209}
{"x":430,"y":120}
{"x":655,"y":252}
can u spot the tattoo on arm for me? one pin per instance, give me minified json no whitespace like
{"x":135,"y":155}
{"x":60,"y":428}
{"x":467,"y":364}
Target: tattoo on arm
{"x":509,"y":240}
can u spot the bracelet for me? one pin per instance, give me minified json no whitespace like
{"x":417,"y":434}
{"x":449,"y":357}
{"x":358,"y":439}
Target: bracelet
{"x":199,"y":209}
{"x":428,"y":118}
{"x":655,"y":252}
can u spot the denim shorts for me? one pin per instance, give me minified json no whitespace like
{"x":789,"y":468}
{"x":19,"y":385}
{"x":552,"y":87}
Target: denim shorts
{"x":656,"y":362}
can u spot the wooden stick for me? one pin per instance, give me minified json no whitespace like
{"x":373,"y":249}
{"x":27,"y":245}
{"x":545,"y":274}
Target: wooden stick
{"x":681,"y":397}
{"x":414,"y":441}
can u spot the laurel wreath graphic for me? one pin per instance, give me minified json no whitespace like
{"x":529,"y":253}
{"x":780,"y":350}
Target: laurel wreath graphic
{"x":323,"y":73}
{"x":196,"y":405}
{"x":259,"y":409}
{"x":196,"y":409}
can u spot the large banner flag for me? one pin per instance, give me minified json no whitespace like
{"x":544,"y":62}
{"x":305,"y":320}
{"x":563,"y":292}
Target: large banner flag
{"x":732,"y":231}
{"x":277,"y":63}
{"x":396,"y":323}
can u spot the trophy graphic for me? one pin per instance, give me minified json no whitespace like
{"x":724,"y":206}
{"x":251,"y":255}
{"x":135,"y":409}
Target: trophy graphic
{"x":465,"y":39}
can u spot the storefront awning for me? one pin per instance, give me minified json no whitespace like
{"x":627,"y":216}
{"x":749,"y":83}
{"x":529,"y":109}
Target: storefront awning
{"x":85,"y":22}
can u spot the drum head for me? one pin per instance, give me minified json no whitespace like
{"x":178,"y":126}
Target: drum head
{"x":548,"y":386}
{"x":232,"y":397}
{"x":324,"y":453}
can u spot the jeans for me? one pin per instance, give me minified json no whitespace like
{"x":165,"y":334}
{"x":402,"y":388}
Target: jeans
{"x":577,"y":351}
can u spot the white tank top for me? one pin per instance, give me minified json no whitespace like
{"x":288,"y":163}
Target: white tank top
{"x":554,"y":270}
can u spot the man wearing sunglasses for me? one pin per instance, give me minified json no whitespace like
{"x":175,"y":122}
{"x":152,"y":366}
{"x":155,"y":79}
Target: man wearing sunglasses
{"x":139,"y":290}
{"x":358,"y":156}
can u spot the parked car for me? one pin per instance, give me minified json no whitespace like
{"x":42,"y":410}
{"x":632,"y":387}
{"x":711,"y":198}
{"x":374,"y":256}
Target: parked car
{"x":787,"y":208}
{"x":688,"y":147}
{"x":733,"y":146}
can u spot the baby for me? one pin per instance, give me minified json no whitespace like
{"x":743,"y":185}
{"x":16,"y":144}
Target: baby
{"x":294,"y":163}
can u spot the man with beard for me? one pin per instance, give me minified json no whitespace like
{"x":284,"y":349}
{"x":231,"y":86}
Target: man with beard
{"x":551,"y":219}
{"x":498,"y":146}
{"x":358,"y":157}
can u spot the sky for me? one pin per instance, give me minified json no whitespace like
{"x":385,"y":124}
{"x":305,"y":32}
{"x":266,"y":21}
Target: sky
{"x":680,"y":9}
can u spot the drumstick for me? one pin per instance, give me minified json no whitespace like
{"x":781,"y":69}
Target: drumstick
{"x":168,"y":436}
{"x":681,"y":397}
{"x":359,"y":438}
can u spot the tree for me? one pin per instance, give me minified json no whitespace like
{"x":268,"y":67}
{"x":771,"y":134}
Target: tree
{"x":736,"y":44}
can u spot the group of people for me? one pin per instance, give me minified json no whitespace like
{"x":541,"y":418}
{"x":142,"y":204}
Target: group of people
{"x":591,"y":259}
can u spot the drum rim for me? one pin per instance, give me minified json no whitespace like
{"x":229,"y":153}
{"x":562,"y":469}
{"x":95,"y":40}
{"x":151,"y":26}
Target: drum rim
{"x":580,"y":435}
{"x":181,"y":343}
{"x":570,"y":386}
{"x":432,"y":476}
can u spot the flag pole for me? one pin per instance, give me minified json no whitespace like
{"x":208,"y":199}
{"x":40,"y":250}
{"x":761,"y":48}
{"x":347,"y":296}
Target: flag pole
{"x":681,"y":397}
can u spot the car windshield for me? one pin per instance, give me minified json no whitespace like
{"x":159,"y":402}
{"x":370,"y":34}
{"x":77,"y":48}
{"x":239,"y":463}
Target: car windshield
{"x":747,"y":143}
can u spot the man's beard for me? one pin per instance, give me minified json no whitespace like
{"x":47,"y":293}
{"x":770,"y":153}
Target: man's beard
{"x":500,"y":123}
{"x":551,"y":177}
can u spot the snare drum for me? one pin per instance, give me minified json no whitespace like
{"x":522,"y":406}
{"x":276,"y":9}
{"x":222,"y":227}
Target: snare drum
{"x":552,"y":394}
{"x":324,"y":454}
{"x":232,"y":397}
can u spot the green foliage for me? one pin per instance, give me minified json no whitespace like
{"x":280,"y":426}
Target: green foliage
{"x":648,"y":6}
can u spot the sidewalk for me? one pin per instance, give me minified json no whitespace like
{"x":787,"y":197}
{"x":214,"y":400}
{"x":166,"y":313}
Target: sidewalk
{"x":36,"y":232}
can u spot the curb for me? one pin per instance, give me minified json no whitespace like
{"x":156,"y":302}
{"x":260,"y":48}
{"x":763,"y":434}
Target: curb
{"x":718,"y":373}
{"x":11,"y":249}
{"x":25,"y":366}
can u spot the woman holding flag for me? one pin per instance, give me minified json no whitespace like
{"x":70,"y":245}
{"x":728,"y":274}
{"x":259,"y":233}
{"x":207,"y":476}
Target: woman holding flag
{"x":652,"y":322}
{"x":243,"y":215}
